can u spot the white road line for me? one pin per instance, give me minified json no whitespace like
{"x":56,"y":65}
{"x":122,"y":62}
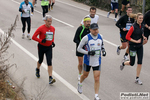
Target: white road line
{"x":82,"y":8}
{"x":53,"y":17}
{"x":73,"y":89}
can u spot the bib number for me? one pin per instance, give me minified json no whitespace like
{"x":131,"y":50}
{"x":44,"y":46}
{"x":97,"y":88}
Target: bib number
{"x":49,"y":36}
{"x":128,"y":26}
{"x":133,"y":53}
{"x":97,"y":51}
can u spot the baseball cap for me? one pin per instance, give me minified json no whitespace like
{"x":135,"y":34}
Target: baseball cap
{"x":94,"y":26}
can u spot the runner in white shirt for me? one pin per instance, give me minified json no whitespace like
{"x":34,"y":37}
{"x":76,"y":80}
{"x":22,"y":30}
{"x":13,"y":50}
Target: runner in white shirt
{"x":93,"y":16}
{"x":93,"y":45}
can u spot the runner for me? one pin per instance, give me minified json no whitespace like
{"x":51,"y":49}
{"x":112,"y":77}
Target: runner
{"x":125,"y":3}
{"x":93,"y":45}
{"x":135,"y":37}
{"x":80,"y":33}
{"x":124,"y":24}
{"x":146,"y":21}
{"x":114,"y":6}
{"x":25,"y":16}
{"x":46,"y":34}
{"x":44,"y":5}
{"x":93,"y":16}
{"x":51,"y":6}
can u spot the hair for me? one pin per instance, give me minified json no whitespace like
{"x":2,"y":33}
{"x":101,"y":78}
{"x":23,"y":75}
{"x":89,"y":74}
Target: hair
{"x":135,"y":16}
{"x":128,"y":8}
{"x":92,"y":8}
{"x":48,"y":17}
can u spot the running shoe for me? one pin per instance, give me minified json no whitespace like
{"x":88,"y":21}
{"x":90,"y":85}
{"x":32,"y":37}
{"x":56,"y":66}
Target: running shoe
{"x":52,"y":80}
{"x":97,"y":98}
{"x":43,"y":18}
{"x":121,"y":66}
{"x":23,"y":36}
{"x":137,"y":81}
{"x":126,"y":58}
{"x":28,"y":36}
{"x":118,"y":50}
{"x":115,"y":20}
{"x":80,"y":88}
{"x":108,"y":15}
{"x":37,"y":73}
{"x":51,"y":7}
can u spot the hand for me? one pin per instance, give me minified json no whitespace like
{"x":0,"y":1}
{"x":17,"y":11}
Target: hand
{"x":138,"y":41}
{"x":44,"y":40}
{"x":124,"y":29}
{"x":23,"y":11}
{"x":91,"y":53}
{"x":53,"y":44}
{"x":31,"y":14}
{"x":104,"y":53}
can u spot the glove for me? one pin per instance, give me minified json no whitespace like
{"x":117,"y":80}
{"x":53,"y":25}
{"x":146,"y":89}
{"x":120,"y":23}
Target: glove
{"x":44,"y":40}
{"x":104,"y":53}
{"x":53,"y":44}
{"x":91,"y":53}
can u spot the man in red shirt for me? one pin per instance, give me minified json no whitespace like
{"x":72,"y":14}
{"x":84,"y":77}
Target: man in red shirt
{"x":46,"y":43}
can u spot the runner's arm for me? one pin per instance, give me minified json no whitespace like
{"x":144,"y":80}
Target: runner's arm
{"x":20,"y":8}
{"x":76,"y":37}
{"x":82,"y":43}
{"x":118,"y":24}
{"x":34,"y":37}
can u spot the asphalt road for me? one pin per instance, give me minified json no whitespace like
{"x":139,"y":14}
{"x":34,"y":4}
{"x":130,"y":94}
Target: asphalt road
{"x":67,"y":16}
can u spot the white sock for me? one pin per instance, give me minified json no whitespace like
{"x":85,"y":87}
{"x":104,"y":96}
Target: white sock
{"x":24,"y":33}
{"x":96,"y":95}
{"x":80,"y":83}
{"x":28,"y":34}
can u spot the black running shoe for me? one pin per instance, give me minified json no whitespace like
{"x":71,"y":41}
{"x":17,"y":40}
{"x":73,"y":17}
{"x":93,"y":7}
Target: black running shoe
{"x":37,"y":73}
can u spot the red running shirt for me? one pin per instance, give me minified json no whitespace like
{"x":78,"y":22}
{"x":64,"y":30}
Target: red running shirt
{"x":41,"y":31}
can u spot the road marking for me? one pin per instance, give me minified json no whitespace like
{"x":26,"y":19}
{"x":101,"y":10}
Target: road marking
{"x":82,"y":8}
{"x":53,"y":17}
{"x":73,"y":89}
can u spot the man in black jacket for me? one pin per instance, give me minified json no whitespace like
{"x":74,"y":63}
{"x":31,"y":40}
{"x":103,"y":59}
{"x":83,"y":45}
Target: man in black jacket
{"x":124,"y":24}
{"x":80,"y":33}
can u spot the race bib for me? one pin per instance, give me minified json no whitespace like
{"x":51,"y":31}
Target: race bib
{"x":97,"y":51}
{"x":128,"y":26}
{"x":133,"y":53}
{"x":49,"y":36}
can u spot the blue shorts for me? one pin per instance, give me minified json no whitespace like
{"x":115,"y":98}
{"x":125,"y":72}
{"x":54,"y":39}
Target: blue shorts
{"x":114,"y":6}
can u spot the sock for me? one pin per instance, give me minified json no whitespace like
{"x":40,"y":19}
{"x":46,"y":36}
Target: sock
{"x":137,"y":77}
{"x":23,"y":33}
{"x":126,"y":54}
{"x":28,"y":34}
{"x":123,"y":64}
{"x":116,"y":15}
{"x":96,"y":95}
{"x":49,"y":6}
{"x":80,"y":83}
{"x":37,"y":69}
{"x":119,"y":47}
{"x":52,"y":4}
{"x":50,"y":77}
{"x":120,"y":13}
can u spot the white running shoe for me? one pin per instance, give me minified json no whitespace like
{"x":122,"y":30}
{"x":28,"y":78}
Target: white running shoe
{"x":23,"y":36}
{"x":126,"y":58}
{"x":43,"y":18}
{"x":115,"y":20}
{"x":97,"y":98}
{"x":80,"y":88}
{"x":108,"y":15}
{"x":118,"y":50}
{"x":137,"y":81}
{"x":28,"y":36}
{"x":121,"y":66}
